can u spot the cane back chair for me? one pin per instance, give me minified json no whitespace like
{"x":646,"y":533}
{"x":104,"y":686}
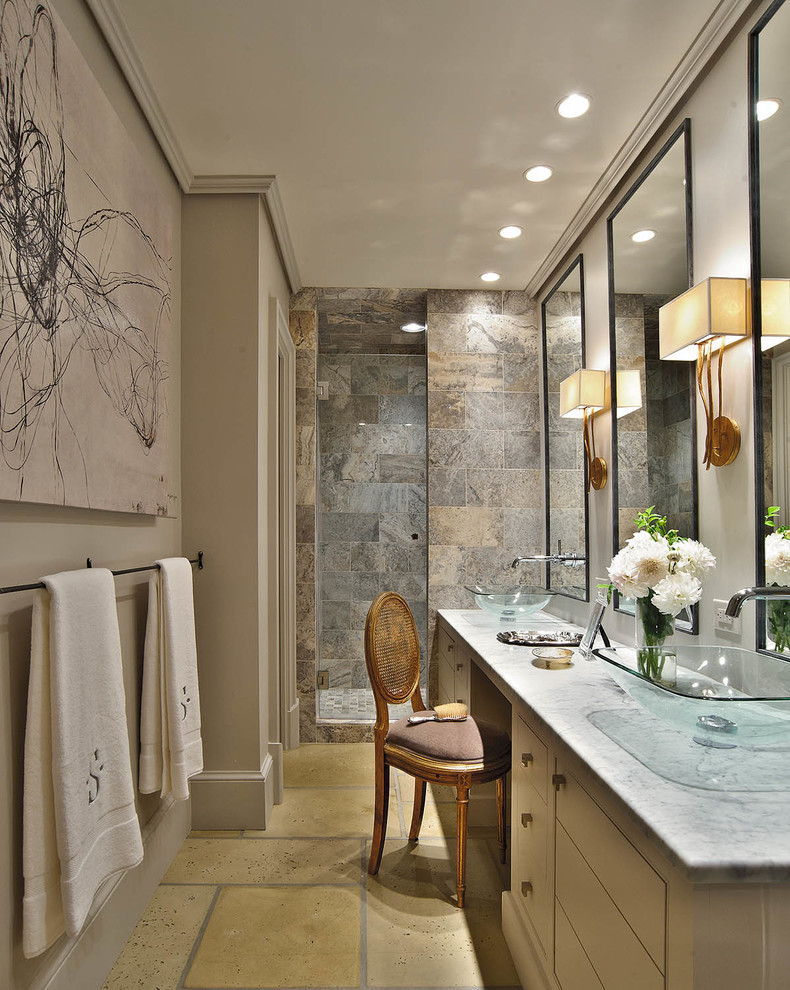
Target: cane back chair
{"x":461,"y":754}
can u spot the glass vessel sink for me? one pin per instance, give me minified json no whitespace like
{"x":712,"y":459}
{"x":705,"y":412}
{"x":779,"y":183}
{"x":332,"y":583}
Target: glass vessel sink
{"x":510,"y":601}
{"x":723,"y":697}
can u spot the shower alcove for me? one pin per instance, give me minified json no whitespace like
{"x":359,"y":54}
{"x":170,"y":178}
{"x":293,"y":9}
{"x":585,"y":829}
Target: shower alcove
{"x":371,"y":464}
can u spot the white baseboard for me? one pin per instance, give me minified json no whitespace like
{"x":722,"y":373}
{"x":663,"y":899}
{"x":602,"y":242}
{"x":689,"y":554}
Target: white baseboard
{"x":233,"y":799}
{"x":85,"y":960}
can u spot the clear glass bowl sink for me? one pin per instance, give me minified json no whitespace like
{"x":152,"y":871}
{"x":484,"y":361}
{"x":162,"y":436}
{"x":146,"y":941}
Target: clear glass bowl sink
{"x":723,"y":696}
{"x":510,"y":601}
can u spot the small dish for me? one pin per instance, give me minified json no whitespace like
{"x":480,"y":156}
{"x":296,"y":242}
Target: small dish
{"x":552,"y":657}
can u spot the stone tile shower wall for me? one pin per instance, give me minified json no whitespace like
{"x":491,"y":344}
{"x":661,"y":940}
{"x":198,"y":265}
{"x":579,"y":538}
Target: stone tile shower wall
{"x":566,"y":447}
{"x":485,"y":486}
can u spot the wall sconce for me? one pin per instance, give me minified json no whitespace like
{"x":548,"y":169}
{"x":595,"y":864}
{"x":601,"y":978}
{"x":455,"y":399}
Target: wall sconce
{"x":706,"y":318}
{"x":629,"y":392}
{"x":582,"y":394}
{"x":775,"y":310}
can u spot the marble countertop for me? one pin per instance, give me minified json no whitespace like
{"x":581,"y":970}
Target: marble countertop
{"x":721,"y":816}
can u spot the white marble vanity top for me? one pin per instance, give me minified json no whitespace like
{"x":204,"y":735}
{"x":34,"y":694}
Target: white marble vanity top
{"x":721,"y":816}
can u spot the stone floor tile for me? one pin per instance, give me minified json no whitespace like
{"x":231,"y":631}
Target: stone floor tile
{"x":211,"y":833}
{"x":416,"y":936}
{"x":267,"y":860}
{"x":329,"y":765}
{"x":160,"y":945}
{"x":327,"y":811}
{"x":280,"y":937}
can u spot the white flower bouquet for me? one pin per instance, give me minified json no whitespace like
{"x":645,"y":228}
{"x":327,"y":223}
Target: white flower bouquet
{"x":777,"y":571}
{"x":663,"y":573}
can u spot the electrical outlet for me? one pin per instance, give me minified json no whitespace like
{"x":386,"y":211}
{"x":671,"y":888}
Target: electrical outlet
{"x":723,"y":622}
{"x":323,"y":679}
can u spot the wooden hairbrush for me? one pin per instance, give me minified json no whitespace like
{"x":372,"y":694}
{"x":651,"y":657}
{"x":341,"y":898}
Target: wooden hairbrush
{"x":441,"y":713}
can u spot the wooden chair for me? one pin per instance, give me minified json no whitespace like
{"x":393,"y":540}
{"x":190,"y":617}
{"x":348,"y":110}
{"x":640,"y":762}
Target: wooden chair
{"x":461,"y":754}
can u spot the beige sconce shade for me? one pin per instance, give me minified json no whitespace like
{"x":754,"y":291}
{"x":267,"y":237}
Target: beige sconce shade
{"x":775,"y":312}
{"x":582,"y":394}
{"x":584,"y":389}
{"x":714,"y":310}
{"x":629,"y":392}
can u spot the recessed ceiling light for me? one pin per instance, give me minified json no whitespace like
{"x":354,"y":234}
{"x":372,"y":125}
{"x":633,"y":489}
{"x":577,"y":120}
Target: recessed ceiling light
{"x":573,"y":105}
{"x":413,"y":327}
{"x":768,"y":107}
{"x":510,"y":231}
{"x":643,"y":235}
{"x":490,"y":276}
{"x":538,"y":173}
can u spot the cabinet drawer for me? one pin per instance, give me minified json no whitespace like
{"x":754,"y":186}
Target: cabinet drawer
{"x":531,"y":838}
{"x":530,"y":758}
{"x":614,"y":951}
{"x":446,"y":644}
{"x":572,"y":968}
{"x":446,"y":680}
{"x":634,"y":886}
{"x":463,"y":663}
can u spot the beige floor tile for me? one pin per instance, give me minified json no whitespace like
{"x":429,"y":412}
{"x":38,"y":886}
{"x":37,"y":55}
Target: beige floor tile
{"x":416,"y":936}
{"x":441,"y":794}
{"x":281,"y":937}
{"x":321,"y":811}
{"x":329,"y":765}
{"x":266,"y":861}
{"x":160,"y":945}
{"x":210,"y":833}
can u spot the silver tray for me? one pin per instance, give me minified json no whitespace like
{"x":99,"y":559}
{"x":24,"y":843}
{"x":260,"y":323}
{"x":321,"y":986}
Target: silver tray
{"x":533,"y":637}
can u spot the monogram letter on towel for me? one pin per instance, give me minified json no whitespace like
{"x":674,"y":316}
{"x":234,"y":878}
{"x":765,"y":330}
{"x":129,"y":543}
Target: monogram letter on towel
{"x":80,"y":823}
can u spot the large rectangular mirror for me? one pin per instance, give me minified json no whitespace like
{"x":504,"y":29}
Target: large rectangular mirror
{"x":565,"y":477}
{"x":653,"y":426}
{"x":769,"y":133}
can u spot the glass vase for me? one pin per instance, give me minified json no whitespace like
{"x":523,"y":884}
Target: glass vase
{"x":655,"y":652}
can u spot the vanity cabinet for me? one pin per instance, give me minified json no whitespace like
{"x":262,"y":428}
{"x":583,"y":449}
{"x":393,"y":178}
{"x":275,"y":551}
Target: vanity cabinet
{"x":455,"y":661}
{"x":587,"y":909}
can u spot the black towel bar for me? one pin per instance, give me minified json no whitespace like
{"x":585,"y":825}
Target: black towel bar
{"x":89,"y":563}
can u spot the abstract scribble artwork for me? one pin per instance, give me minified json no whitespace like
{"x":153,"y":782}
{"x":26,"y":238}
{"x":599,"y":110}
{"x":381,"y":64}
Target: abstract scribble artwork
{"x":85,"y":240}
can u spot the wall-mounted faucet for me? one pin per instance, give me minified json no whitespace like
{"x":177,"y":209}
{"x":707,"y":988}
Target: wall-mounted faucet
{"x":569,"y":559}
{"x":736,"y":603}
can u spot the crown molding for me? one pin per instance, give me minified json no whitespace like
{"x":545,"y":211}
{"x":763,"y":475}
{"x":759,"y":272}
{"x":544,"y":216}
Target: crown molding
{"x":696,"y":60}
{"x":116,"y":34}
{"x":265,"y":186}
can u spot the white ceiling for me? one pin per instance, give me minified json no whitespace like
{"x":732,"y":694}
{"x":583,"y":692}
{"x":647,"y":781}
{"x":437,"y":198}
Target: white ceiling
{"x":399,"y":130}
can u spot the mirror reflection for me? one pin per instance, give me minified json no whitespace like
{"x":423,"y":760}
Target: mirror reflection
{"x":770,"y":132}
{"x":653,"y":431}
{"x":566,"y":501}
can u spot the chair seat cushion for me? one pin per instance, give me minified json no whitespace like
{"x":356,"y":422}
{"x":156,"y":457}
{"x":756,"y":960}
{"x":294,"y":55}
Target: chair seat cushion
{"x":472,"y":741}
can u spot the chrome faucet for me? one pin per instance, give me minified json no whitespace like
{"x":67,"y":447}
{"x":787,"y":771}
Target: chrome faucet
{"x":569,"y":559}
{"x":736,"y":603}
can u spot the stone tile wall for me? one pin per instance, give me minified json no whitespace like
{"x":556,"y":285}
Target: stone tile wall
{"x":485,"y":483}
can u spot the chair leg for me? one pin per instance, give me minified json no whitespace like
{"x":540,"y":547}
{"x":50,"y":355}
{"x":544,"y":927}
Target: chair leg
{"x":462,"y":808}
{"x":501,"y":809}
{"x":419,"y":808}
{"x":380,"y":815}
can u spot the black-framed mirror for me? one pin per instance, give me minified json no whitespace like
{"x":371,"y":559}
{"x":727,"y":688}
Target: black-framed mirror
{"x":649,"y":239}
{"x":769,"y":188}
{"x":565,"y":478}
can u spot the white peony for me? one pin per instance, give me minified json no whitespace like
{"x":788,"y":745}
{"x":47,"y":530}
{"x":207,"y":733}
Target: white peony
{"x":651,"y":558}
{"x":623,"y":573}
{"x":676,"y":592}
{"x":777,"y":559}
{"x":695,"y":558}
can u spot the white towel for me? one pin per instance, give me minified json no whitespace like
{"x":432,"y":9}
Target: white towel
{"x":171,"y":748}
{"x":80,"y":825}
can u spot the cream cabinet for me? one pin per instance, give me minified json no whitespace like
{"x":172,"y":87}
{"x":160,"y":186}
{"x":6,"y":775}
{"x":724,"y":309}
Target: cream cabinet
{"x":587,"y":909}
{"x":455,"y":661}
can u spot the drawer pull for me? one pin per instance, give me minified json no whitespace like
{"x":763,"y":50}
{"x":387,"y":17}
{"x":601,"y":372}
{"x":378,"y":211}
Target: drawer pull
{"x":526,"y":819}
{"x":526,"y":888}
{"x":526,"y":759}
{"x":459,"y":666}
{"x":449,"y":647}
{"x":558,"y":780}
{"x":459,"y":701}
